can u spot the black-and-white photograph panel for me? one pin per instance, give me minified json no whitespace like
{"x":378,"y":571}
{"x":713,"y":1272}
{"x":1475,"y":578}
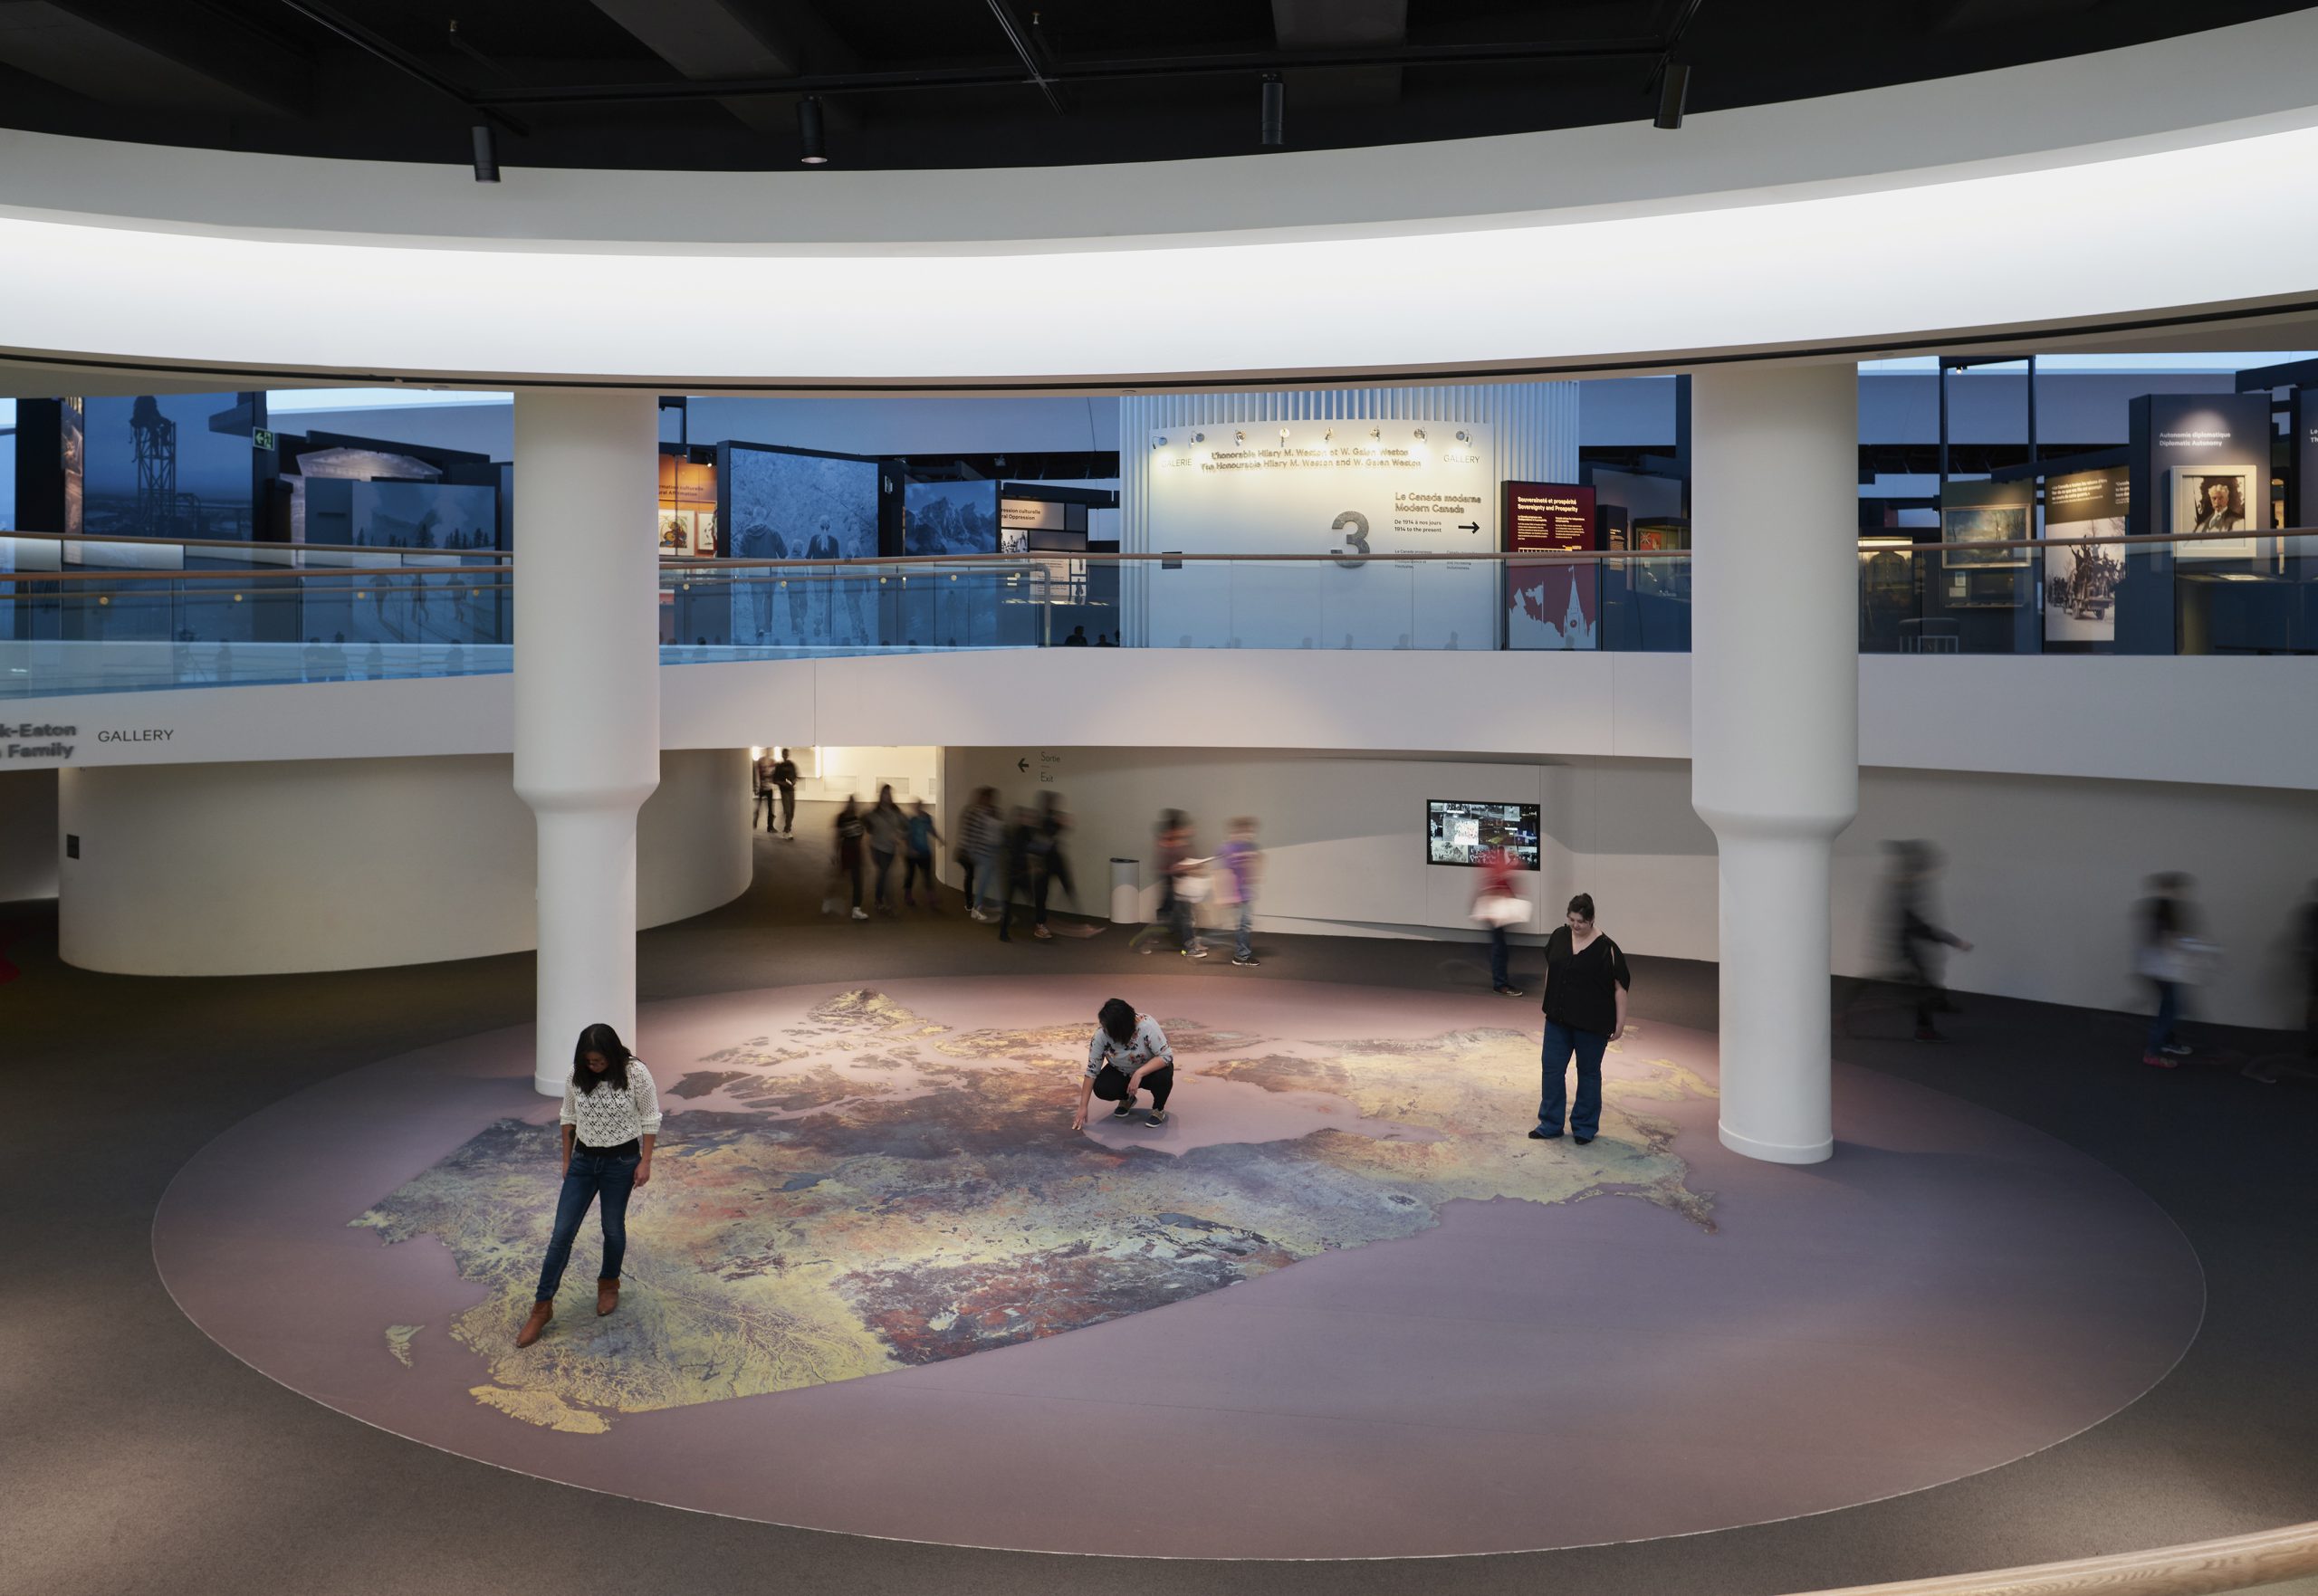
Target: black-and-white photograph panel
{"x":794,"y":506}
{"x":950,"y":518}
{"x":2081,"y":581}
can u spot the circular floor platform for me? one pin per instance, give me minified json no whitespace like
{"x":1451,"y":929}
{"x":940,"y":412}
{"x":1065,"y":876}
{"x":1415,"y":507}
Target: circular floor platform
{"x":1339,"y":1306}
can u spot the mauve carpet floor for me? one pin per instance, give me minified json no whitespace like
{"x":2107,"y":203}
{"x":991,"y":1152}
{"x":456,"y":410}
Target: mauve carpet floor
{"x":143,"y":1455}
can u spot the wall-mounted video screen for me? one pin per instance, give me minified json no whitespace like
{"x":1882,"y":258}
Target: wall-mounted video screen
{"x":1457,"y":832}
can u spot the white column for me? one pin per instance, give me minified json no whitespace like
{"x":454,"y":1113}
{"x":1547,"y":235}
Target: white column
{"x":1774,"y":723}
{"x":587,"y":694}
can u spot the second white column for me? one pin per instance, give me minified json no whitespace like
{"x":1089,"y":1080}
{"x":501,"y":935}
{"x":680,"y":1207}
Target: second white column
{"x":1775,"y":725}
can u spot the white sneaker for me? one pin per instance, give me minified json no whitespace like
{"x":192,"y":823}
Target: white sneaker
{"x":859,"y":914}
{"x":828,"y":906}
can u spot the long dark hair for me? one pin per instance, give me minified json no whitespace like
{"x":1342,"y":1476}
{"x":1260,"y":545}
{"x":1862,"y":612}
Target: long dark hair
{"x":1117,"y":1020}
{"x":601,"y":1038}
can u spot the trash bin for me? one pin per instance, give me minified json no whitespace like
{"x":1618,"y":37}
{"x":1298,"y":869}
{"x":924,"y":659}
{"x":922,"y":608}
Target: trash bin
{"x":1126,"y":891}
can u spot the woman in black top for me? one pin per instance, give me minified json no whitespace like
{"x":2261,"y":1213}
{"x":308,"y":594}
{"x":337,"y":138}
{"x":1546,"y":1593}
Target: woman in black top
{"x":1586,"y":983}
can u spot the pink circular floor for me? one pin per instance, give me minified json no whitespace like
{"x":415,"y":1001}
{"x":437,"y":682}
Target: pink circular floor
{"x":1338,"y":1306}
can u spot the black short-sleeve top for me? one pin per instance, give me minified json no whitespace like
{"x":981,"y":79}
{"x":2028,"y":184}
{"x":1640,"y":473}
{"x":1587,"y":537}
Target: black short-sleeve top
{"x":1581,"y":988}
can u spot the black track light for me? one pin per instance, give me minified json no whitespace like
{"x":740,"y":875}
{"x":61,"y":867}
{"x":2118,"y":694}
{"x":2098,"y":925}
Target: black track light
{"x":1275,"y":111}
{"x":810,"y":148}
{"x":486,"y":153}
{"x":1674,"y":89}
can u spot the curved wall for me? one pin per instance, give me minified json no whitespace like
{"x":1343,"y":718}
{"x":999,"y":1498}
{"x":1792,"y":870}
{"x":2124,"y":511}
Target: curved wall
{"x":2041,"y":872}
{"x":1777,"y":229}
{"x":264,"y":869}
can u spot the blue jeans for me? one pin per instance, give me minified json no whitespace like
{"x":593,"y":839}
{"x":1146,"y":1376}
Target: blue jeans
{"x":1247,"y":948}
{"x":591,"y":1176}
{"x":1561,"y":1041}
{"x":1178,"y":910}
{"x":2169,"y":1009}
{"x":1499,"y":971}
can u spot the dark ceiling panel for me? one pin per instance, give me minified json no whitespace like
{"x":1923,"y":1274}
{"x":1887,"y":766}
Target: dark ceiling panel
{"x":713,"y":84}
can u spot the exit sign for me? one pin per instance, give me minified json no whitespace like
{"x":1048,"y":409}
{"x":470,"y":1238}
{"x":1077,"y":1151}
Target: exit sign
{"x":261,"y":439}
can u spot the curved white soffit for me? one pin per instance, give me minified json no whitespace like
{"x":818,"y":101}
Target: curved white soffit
{"x":2193,"y":221}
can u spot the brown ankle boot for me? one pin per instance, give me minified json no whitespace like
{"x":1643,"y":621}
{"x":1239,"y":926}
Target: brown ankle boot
{"x":606,"y":1297}
{"x":536,"y":1324}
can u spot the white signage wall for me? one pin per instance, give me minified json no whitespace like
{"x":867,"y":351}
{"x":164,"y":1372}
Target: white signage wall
{"x":1342,"y":488}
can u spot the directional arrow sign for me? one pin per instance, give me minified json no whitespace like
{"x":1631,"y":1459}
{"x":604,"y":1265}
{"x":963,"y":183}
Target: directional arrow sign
{"x":1470,"y":526}
{"x":1023,"y":765}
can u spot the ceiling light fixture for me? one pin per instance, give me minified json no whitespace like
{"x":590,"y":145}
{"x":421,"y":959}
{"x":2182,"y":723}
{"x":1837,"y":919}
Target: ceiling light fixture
{"x":486,"y":153}
{"x":810,"y":148}
{"x":1673,"y":92}
{"x":1275,"y":111}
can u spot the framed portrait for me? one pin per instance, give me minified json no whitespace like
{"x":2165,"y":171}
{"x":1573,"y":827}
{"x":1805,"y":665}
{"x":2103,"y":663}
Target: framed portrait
{"x":2219,"y":497}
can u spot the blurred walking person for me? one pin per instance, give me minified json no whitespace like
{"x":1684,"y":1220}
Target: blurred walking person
{"x":1018,"y":861}
{"x":760,"y":779}
{"x":845,"y":863}
{"x":784,"y":782}
{"x":1054,"y":824}
{"x":1497,"y":904}
{"x":1242,"y":865}
{"x":885,"y":829}
{"x":2167,"y":960}
{"x":1914,"y":935}
{"x":1586,"y":983}
{"x":1183,"y":883}
{"x":982,"y":834}
{"x":919,"y":837}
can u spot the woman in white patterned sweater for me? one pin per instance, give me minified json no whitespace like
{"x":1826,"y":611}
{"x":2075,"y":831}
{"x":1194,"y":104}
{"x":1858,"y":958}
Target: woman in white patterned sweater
{"x":612,"y":1118}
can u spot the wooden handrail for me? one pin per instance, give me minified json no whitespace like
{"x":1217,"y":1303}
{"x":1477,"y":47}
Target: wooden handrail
{"x":2200,"y":1568}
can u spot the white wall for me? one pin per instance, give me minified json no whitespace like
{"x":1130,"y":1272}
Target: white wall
{"x":1344,"y":853}
{"x":840,"y":773}
{"x":28,"y":846}
{"x":2043,"y":871}
{"x":2233,"y":722}
{"x":242,"y":869}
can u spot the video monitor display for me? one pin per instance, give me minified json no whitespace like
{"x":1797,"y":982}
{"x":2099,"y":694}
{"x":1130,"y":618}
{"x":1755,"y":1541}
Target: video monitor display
{"x":1457,"y":832}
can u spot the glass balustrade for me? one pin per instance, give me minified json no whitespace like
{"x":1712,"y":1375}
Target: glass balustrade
{"x":89,"y":617}
{"x":2242,"y":593}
